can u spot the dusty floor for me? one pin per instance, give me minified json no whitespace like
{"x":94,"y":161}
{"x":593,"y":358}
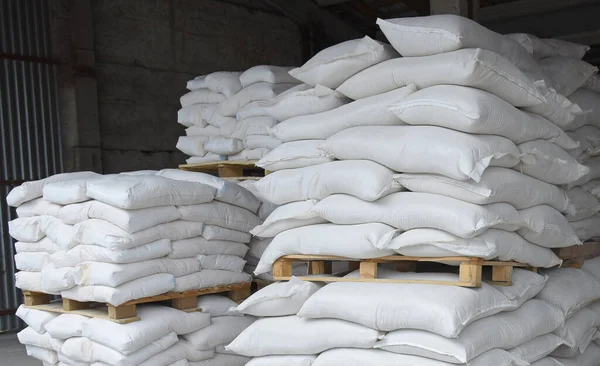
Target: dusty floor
{"x":12,"y":353}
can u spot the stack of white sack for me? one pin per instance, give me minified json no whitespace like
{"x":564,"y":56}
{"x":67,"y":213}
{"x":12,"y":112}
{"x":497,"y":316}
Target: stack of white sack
{"x":200,"y":113}
{"x":483,"y":170}
{"x":160,"y":338}
{"x":303,"y":324}
{"x":261,"y":84}
{"x":121,"y":237}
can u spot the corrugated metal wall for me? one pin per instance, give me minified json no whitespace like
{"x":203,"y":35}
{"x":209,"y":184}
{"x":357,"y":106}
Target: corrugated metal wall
{"x":30,"y":135}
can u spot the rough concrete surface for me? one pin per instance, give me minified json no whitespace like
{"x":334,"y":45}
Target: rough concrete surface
{"x":12,"y":353}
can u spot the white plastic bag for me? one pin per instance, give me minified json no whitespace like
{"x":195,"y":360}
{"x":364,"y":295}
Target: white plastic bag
{"x":496,"y":185}
{"x":588,"y":101}
{"x":286,"y":217}
{"x":192,"y":145}
{"x":202,"y":131}
{"x":31,"y":261}
{"x":547,"y":227}
{"x":566,"y":74}
{"x":549,"y":163}
{"x":424,"y":149}
{"x":192,"y":247}
{"x":293,"y":155}
{"x":537,"y":348}
{"x":38,"y":207}
{"x":476,"y":68}
{"x":587,"y":228}
{"x":364,"y":179}
{"x":295,"y":335}
{"x":543,"y":48}
{"x":45,"y":245}
{"x":223,"y":146}
{"x":580,"y":327}
{"x":258,"y":125}
{"x":133,"y":221}
{"x":221,"y":331}
{"x":371,"y":111}
{"x":212,"y":232}
{"x":329,"y":239}
{"x":192,"y":116}
{"x":220,"y":214}
{"x":201,"y":96}
{"x":570,"y":289}
{"x":584,"y":204}
{"x":67,"y":192}
{"x":221,"y":262}
{"x":36,"y":319}
{"x":268,"y":74}
{"x":255,"y":92}
{"x":27,"y":229}
{"x":66,"y":326}
{"x":217,"y":305}
{"x":334,"y":65}
{"x":410,"y":210}
{"x":224,"y":82}
{"x":96,"y":253}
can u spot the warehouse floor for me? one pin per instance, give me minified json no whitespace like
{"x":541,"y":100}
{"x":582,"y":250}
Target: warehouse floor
{"x":12,"y":353}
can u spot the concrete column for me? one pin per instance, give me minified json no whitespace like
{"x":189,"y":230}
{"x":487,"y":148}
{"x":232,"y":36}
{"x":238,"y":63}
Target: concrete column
{"x":458,"y":7}
{"x":73,"y":46}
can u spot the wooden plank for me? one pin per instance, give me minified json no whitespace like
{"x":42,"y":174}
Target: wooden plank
{"x":70,"y":305}
{"x":230,"y":171}
{"x":502,"y":275}
{"x":586,"y":251}
{"x":239,"y":295}
{"x":176,"y":295}
{"x":368,"y":270}
{"x":101,"y":312}
{"x":378,"y":280}
{"x":35,"y":298}
{"x":282,"y":267}
{"x":319,"y":267}
{"x":185,"y":302}
{"x":470,"y":272}
{"x":121,"y":312}
{"x":406,"y":267}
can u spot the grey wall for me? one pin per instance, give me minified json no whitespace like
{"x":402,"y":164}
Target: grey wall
{"x":143,"y":52}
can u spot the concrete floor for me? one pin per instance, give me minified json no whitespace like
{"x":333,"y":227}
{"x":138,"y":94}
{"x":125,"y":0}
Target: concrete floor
{"x":12,"y":353}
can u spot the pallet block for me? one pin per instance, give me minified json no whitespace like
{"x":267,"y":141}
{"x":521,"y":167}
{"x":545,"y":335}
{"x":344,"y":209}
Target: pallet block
{"x":470,"y":269}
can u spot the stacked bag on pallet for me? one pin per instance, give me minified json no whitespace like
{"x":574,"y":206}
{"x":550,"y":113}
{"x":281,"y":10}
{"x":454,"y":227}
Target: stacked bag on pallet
{"x":164,"y":336}
{"x":116,"y":238}
{"x":535,"y":322}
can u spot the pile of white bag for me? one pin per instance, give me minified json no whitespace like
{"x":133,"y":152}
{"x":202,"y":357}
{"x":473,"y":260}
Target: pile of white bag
{"x":116,"y":238}
{"x":540,"y":320}
{"x":164,"y":336}
{"x":210,"y":111}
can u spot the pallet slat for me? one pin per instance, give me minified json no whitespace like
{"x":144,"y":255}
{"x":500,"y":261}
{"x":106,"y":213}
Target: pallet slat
{"x":226,"y":168}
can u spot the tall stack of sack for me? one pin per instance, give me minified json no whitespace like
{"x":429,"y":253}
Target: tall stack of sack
{"x":116,"y":238}
{"x":536,"y":321}
{"x":476,"y":137}
{"x":164,"y":336}
{"x":261,"y":84}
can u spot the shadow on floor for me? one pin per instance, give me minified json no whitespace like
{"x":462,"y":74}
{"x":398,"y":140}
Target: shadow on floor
{"x":12,"y":353}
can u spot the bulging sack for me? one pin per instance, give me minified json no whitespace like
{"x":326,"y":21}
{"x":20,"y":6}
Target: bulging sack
{"x":549,"y":163}
{"x":252,"y":126}
{"x":371,"y":111}
{"x":570,"y":289}
{"x":293,"y":155}
{"x":67,"y":192}
{"x":547,"y":227}
{"x":203,"y":131}
{"x":410,"y":210}
{"x":261,"y":142}
{"x":294,"y":335}
{"x":589,"y":140}
{"x":38,"y":207}
{"x":537,"y":348}
{"x":224,"y":82}
{"x":223,"y":146}
{"x":588,"y":101}
{"x":267,"y":74}
{"x":132,"y":221}
{"x":329,"y":239}
{"x":96,"y":253}
{"x":192,"y":145}
{"x":543,"y":48}
{"x":221,"y":331}
{"x":496,"y":185}
{"x":252,"y":93}
{"x":472,"y":67}
{"x":220,"y":214}
{"x":199,"y":96}
{"x":364,"y":179}
{"x":587,"y":228}
{"x":431,"y":35}
{"x":191,"y":116}
{"x":286,"y":217}
{"x":334,"y":65}
{"x":134,"y":192}
{"x":566,"y":74}
{"x":584,"y":204}
{"x":424,"y":149}
{"x":476,"y":111}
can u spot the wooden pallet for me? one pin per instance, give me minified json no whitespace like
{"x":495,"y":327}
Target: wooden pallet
{"x":227,"y":169}
{"x":470,"y":269}
{"x":574,"y":256}
{"x":126,"y":313}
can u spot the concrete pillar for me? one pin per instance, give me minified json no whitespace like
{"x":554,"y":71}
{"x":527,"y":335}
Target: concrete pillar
{"x":458,"y":7}
{"x":73,"y":46}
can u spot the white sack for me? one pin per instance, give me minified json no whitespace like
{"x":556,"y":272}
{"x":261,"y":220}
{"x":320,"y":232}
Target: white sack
{"x":223,"y":146}
{"x":27,"y":229}
{"x":34,"y":189}
{"x":587,"y":228}
{"x":134,"y":192}
{"x":252,"y":93}
{"x":589,"y":358}
{"x":56,"y":279}
{"x":278,"y":360}
{"x":593,"y":165}
{"x":570,"y":289}
{"x":250,"y":154}
{"x":476,"y":68}
{"x":192,"y":247}
{"x":537,"y":348}
{"x":286,"y":217}
{"x":295,"y":102}
{"x":268,"y":74}
{"x":38,"y":207}
{"x":364,"y":179}
{"x":220,"y":214}
{"x":334,"y":65}
{"x":63,"y":235}
{"x":67,"y":192}
{"x":581,"y":326}
{"x":142,"y":287}
{"x":103,"y":233}
{"x":543,"y":48}
{"x":201,"y":96}
{"x":547,"y":227}
{"x":478,"y":112}
{"x":209,"y":157}
{"x":192,"y":116}
{"x":45,"y":245}
{"x":227,"y":192}
{"x":222,"y":360}
{"x":252,"y":126}
{"x":224,"y":82}
{"x":505,"y":330}
{"x":589,"y":140}
{"x":36,"y":319}
{"x":588,"y":101}
{"x":549,"y":163}
{"x":217,"y":305}
{"x":371,"y":111}
{"x":133,"y":221}
{"x":221,"y":331}
{"x":30,"y":281}
{"x":496,"y":185}
{"x":192,"y":145}
{"x":260,"y":141}
{"x":293,"y":155}
{"x":566,"y":74}
{"x":209,"y":278}
{"x":584,"y":204}
{"x":279,"y":299}
{"x":295,"y":335}
{"x":95,"y":253}
{"x":221,"y":262}
{"x":444,"y":310}
{"x":75,"y":213}
{"x":31,"y":261}
{"x":410,"y":210}
{"x":329,"y":239}
{"x":430,"y":35}
{"x":42,"y":354}
{"x":202,"y":131}
{"x":424,"y":149}
{"x":214,"y":118}
{"x":66,"y":326}
{"x":30,"y":337}
{"x":212,"y":232}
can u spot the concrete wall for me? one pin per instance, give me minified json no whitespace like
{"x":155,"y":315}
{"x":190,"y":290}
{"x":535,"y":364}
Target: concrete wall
{"x":124,"y":65}
{"x":145,"y":52}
